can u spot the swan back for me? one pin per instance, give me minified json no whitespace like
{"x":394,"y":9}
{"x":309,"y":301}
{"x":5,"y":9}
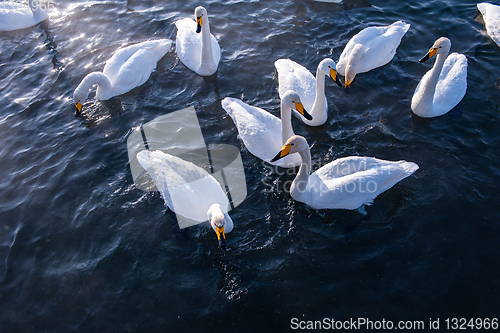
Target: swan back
{"x":491,"y":16}
{"x":187,"y":189}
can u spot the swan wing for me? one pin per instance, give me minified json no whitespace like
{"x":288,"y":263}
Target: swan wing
{"x":350,"y":182}
{"x":131,"y":66}
{"x":292,"y":76}
{"x":187,"y":189}
{"x":259,"y":130}
{"x":491,"y":15}
{"x":188,"y":44}
{"x":451,"y":85}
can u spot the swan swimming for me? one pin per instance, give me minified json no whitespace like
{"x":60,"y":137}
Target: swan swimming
{"x":491,"y":17}
{"x":188,"y":190}
{"x":444,"y":85}
{"x":346,"y":183}
{"x":263,"y":133}
{"x":128,"y":68}
{"x":199,"y":52}
{"x":14,"y":15}
{"x":292,"y":76}
{"x":370,"y":48}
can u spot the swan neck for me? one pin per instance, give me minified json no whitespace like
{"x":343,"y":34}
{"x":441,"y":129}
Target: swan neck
{"x":104,"y":87}
{"x":320,"y":100}
{"x":207,"y":57}
{"x":299,"y":185}
{"x":429,"y":88}
{"x":286,"y":123}
{"x":353,"y":60}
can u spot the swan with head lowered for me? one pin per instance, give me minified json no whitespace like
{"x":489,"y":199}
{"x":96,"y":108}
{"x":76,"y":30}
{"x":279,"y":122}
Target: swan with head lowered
{"x":196,"y":47}
{"x":442,"y":87}
{"x":292,"y":76}
{"x":189,"y":191}
{"x":491,"y":18}
{"x":346,"y":183}
{"x":263,"y":133}
{"x":128,"y":68}
{"x":14,"y":15}
{"x":370,"y":48}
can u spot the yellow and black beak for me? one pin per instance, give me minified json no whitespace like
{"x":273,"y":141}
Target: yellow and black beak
{"x":285,"y":150}
{"x":221,"y":236}
{"x":78,"y":106}
{"x":299,"y":107}
{"x":348,"y":84}
{"x":432,"y":52}
{"x":335,"y":77}
{"x":199,"y":21}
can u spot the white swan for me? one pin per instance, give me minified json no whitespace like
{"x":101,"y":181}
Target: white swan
{"x":370,"y":48}
{"x":188,"y":190}
{"x":292,"y":76}
{"x":442,"y":87}
{"x":14,"y":15}
{"x":346,"y":183}
{"x":491,"y":16}
{"x":261,"y":132}
{"x":199,"y":52}
{"x":128,"y":68}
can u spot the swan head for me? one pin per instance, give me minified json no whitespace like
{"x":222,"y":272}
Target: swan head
{"x":217,"y":220}
{"x":441,"y":46}
{"x":292,"y":100}
{"x":328,"y":67}
{"x":80,"y":96}
{"x":294,"y":144}
{"x":200,"y":13}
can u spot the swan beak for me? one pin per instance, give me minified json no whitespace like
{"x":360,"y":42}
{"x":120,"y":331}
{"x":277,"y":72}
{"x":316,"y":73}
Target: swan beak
{"x":299,"y":107}
{"x":221,"y":236}
{"x":432,"y":52}
{"x":335,"y":77}
{"x":348,"y":84}
{"x":199,"y":21}
{"x":79,"y":106}
{"x":285,"y":150}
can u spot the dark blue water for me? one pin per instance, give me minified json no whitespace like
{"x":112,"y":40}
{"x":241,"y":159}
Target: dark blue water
{"x":82,"y":249}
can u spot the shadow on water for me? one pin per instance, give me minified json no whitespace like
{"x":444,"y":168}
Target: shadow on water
{"x":51,"y":46}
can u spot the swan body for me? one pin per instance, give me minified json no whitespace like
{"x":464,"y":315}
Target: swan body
{"x":370,"y":48}
{"x":311,"y":90}
{"x":188,"y":190}
{"x":346,"y":183}
{"x":14,"y":16}
{"x":491,"y":16}
{"x":128,"y":68}
{"x":263,"y":133}
{"x":195,"y":46}
{"x":443,"y":86}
